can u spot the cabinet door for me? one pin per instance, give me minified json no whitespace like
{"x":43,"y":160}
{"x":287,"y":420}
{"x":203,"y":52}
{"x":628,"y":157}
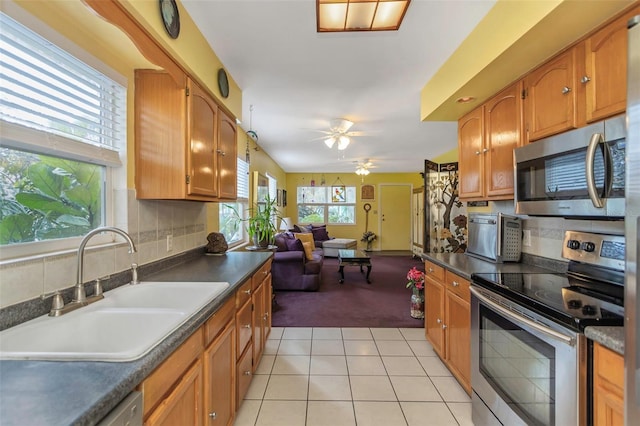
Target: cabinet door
{"x":470,"y":154}
{"x":227,"y":153}
{"x":268,"y":305}
{"x":550,"y":102}
{"x":183,"y":405}
{"x":244,"y":327}
{"x":258,"y":324}
{"x":503,"y":133}
{"x":220,"y":378}
{"x":606,"y":69}
{"x":458,"y":338}
{"x":434,"y":315}
{"x":202,"y":152}
{"x":608,"y":383}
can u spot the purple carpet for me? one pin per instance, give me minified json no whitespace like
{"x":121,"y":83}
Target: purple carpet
{"x":383,"y":303}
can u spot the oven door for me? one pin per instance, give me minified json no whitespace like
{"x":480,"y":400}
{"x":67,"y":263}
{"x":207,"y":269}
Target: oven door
{"x":524,"y":371}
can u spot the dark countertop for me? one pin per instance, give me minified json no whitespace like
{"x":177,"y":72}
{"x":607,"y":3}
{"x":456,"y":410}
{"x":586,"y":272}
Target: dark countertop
{"x":464,"y":265}
{"x":82,"y":393}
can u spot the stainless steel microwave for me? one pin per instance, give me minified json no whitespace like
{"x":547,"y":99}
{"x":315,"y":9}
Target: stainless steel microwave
{"x":580,"y":173}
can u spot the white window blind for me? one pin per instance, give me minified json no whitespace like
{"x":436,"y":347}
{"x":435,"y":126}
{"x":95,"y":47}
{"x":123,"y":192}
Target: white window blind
{"x":44,"y":88}
{"x":273,"y":187}
{"x":243,"y":180}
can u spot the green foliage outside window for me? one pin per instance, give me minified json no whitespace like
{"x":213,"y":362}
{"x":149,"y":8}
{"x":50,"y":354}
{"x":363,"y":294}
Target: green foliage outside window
{"x":44,"y":197}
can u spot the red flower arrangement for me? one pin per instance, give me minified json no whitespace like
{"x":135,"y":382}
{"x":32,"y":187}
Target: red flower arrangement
{"x":416,"y":279}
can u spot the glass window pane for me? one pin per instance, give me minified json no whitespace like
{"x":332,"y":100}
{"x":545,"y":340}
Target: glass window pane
{"x":342,"y":214}
{"x":230,"y":227}
{"x":45,"y":197}
{"x":310,"y":214}
{"x":312,"y":194}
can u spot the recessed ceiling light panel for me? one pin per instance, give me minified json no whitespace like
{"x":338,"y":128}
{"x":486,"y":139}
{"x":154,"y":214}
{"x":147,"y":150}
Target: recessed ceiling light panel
{"x":360,"y":15}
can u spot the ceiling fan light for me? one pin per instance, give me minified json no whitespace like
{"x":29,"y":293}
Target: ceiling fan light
{"x":343,"y":142}
{"x":330,"y":141}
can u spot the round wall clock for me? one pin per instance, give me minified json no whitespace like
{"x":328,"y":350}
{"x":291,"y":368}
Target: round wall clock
{"x":223,"y":83}
{"x":170,"y":17}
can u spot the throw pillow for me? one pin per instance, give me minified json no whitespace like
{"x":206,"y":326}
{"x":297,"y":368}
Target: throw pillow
{"x":320,"y":234}
{"x":302,"y":228}
{"x":294,"y":244}
{"x":305,"y":237}
{"x":281,"y":242}
{"x":308,"y":249}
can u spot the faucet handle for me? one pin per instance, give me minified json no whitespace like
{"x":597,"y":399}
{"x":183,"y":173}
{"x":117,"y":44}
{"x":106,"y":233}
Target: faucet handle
{"x":56,"y":304}
{"x":97,"y":289}
{"x":134,"y":273}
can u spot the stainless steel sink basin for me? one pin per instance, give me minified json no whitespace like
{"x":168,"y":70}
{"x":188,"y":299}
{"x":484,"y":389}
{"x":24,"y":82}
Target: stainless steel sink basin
{"x":124,"y":326}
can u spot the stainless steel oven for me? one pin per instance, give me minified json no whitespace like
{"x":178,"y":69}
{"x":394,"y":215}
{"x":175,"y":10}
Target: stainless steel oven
{"x":530,"y":359}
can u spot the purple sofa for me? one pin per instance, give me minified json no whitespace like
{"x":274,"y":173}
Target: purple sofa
{"x":290,"y":269}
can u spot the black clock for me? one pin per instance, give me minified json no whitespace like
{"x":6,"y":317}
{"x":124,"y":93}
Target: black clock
{"x":170,"y":17}
{"x":223,"y":83}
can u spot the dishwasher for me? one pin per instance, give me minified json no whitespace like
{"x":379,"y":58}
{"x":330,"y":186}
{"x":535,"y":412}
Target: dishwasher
{"x":127,"y":413}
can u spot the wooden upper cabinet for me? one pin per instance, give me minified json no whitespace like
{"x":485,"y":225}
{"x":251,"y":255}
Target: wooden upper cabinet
{"x":202,"y":152}
{"x":470,"y":146}
{"x":185,"y":145}
{"x":606,"y":69}
{"x":550,"y":97}
{"x":503,"y":133}
{"x":227,"y":153}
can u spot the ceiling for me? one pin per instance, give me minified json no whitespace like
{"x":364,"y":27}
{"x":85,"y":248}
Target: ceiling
{"x":298,"y":80}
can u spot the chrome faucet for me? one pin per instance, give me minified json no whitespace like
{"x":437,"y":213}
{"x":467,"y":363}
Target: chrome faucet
{"x":79,"y":295}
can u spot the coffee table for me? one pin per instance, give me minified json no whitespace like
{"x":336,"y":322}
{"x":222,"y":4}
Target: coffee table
{"x":354,"y":258}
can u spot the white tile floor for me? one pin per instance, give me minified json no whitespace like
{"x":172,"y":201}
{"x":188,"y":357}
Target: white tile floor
{"x":349,"y":376}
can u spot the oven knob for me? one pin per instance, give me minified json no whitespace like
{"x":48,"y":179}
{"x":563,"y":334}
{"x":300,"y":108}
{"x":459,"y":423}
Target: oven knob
{"x":588,"y":310}
{"x":589,"y":247}
{"x":573,"y":244}
{"x":574,"y":303}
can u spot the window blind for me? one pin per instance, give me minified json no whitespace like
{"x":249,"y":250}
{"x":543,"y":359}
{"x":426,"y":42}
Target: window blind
{"x":42,"y":87}
{"x":243,"y":180}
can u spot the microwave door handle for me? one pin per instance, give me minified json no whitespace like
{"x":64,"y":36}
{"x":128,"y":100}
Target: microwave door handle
{"x":596,"y":139}
{"x":608,"y":162}
{"x":515,"y":317}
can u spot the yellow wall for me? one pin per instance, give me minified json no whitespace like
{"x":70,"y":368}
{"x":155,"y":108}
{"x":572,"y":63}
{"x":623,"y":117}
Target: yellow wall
{"x":350,"y":179}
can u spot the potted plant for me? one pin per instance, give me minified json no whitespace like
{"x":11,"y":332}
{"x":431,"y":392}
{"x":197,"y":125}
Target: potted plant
{"x":368,"y":237}
{"x":260,"y":223}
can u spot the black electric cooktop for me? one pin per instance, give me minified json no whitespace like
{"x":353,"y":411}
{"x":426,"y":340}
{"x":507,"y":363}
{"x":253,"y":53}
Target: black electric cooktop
{"x":577,"y":303}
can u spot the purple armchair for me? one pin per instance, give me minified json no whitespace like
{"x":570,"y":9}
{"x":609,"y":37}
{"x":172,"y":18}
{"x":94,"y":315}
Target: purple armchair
{"x":291,"y":270}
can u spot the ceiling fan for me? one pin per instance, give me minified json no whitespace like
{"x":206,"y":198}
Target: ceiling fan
{"x":362,"y":168}
{"x":339,"y":132}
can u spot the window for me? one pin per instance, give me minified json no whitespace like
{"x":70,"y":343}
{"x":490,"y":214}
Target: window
{"x":230,"y":227}
{"x":63,"y":124}
{"x":315,"y":205}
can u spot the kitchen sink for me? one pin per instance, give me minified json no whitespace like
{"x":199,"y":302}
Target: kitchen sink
{"x":124,"y":326}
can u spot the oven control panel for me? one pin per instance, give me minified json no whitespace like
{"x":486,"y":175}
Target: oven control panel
{"x":597,"y":249}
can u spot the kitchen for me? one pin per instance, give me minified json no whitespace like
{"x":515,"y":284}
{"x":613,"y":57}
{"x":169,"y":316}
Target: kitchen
{"x":543,"y":231}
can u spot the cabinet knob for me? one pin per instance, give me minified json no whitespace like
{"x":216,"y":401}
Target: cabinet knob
{"x":444,"y":326}
{"x":485,"y":150}
{"x":455,"y":283}
{"x":477,"y":152}
{"x":221,"y":152}
{"x":438,"y":320}
{"x":213,"y":415}
{"x":566,"y":90}
{"x":247,"y":373}
{"x":430,"y":269}
{"x":246,"y":326}
{"x":585,"y":79}
{"x":247,"y":292}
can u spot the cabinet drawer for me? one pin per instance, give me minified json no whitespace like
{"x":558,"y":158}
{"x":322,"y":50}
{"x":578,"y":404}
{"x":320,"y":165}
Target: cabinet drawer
{"x":215,"y":324}
{"x":244,"y":374}
{"x":260,"y":275}
{"x":163,"y":378}
{"x":434,"y":271}
{"x":458,"y":285}
{"x":243,"y":294}
{"x":243,"y":327}
{"x":609,"y":365}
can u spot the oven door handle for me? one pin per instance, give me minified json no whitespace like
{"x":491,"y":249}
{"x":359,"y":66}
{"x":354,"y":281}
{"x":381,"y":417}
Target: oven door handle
{"x":515,"y":317}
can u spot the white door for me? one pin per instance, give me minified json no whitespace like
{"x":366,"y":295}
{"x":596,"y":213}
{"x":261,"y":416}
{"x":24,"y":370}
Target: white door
{"x":395,"y":216}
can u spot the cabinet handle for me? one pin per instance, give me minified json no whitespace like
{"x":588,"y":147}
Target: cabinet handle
{"x":444,"y":326}
{"x":485,"y":150}
{"x":247,"y":373}
{"x":430,"y":269}
{"x":213,"y":415}
{"x":438,"y":320}
{"x":247,"y":292}
{"x":566,"y":90}
{"x":585,"y":79}
{"x":455,"y":283}
{"x":221,"y":152}
{"x":247,"y":326}
{"x":265,"y":272}
{"x":477,"y":152}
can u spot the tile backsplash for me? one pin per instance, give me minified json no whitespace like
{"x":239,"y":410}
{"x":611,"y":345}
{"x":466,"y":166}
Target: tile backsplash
{"x":147,"y":222}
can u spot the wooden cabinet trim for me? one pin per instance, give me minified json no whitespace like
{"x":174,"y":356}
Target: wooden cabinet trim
{"x":433,"y":271}
{"x":216,"y":323}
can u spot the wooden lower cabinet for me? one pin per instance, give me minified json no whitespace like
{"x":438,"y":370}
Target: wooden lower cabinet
{"x":608,"y":387}
{"x":220,"y":376}
{"x":184,"y":404}
{"x":448,"y":320}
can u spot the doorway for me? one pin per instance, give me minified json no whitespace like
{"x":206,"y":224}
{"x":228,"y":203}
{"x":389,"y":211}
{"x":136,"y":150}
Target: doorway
{"x":395,"y":216}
